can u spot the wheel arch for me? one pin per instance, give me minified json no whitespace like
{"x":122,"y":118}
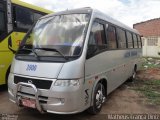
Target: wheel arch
{"x":104,"y":82}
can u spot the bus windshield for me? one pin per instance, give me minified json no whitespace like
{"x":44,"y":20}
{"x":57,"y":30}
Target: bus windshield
{"x":62,"y":33}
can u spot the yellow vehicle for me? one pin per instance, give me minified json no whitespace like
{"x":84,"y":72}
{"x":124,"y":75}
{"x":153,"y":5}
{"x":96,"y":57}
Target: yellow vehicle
{"x":16,"y":18}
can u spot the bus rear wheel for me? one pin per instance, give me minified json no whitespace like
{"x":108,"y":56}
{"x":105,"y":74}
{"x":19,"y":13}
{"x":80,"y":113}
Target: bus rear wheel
{"x":99,"y":99}
{"x":133,"y":75}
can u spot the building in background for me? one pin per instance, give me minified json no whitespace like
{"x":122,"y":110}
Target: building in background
{"x":150,"y":30}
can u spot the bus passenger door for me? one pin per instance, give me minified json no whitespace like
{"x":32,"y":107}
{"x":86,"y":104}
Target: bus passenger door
{"x":95,"y":60}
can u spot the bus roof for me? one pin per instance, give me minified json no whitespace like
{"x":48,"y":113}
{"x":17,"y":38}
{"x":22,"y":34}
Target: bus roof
{"x":109,"y":19}
{"x":24,"y":4}
{"x":73,"y":11}
{"x":96,"y":13}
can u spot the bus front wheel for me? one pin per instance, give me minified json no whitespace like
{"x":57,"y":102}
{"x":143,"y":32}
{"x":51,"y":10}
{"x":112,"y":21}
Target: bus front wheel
{"x":98,"y":100}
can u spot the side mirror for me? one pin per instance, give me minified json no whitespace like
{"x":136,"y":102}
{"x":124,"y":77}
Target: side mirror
{"x":91,"y":50}
{"x":10,"y":45}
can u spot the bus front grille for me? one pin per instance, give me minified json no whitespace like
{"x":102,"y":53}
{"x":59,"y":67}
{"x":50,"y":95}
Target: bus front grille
{"x":42,"y":99}
{"x":41,"y":84}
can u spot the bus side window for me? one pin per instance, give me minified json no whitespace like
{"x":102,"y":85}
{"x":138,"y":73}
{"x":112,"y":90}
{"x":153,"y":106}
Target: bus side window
{"x":2,"y":23}
{"x":129,"y":40}
{"x":97,"y":39}
{"x":111,"y":37}
{"x":23,"y":18}
{"x":139,"y":41}
{"x":121,"y":38}
{"x":135,"y":41}
{"x":2,"y":20}
{"x":37,"y":16}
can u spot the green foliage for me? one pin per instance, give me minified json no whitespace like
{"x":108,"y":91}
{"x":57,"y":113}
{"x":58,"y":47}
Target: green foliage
{"x":150,"y":63}
{"x":151,"y":89}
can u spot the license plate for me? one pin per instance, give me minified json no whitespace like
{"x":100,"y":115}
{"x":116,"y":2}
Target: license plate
{"x":29,"y":103}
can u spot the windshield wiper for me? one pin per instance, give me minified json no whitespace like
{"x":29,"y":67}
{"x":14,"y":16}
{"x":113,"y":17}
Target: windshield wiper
{"x":53,"y":49}
{"x":32,"y":50}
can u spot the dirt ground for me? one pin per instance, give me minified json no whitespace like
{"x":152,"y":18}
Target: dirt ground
{"x":149,"y":74}
{"x":123,"y":100}
{"x":127,"y":100}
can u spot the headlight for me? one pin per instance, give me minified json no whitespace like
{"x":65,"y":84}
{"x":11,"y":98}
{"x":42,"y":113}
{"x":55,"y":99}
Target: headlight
{"x":64,"y":83}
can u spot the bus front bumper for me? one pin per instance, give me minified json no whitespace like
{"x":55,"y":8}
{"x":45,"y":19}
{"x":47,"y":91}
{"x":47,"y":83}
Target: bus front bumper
{"x":56,"y":100}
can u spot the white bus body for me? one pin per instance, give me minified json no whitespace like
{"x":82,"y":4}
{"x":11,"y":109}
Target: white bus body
{"x":91,"y":61}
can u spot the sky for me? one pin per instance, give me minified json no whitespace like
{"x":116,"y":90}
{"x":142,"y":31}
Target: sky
{"x":128,"y":12}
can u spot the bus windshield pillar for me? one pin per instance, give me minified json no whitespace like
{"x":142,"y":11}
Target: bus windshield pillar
{"x":9,"y":16}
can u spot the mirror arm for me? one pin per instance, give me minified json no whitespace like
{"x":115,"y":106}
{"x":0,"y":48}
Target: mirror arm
{"x":10,"y":45}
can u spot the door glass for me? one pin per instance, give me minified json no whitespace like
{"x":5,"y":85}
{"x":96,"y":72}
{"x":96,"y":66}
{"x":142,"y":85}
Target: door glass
{"x":2,"y":22}
{"x":97,"y":36}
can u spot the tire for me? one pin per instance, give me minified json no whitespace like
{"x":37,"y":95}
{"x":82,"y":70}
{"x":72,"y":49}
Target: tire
{"x":98,"y":100}
{"x":131,"y":79}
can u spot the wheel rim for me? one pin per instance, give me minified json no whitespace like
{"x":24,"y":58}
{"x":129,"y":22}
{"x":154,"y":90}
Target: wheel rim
{"x":134,"y":75}
{"x":99,"y":98}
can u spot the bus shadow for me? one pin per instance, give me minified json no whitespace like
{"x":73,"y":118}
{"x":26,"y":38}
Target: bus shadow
{"x":25,"y":114}
{"x":3,"y":88}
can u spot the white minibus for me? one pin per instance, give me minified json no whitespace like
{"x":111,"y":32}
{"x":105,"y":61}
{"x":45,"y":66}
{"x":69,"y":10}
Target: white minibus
{"x":71,"y":60}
